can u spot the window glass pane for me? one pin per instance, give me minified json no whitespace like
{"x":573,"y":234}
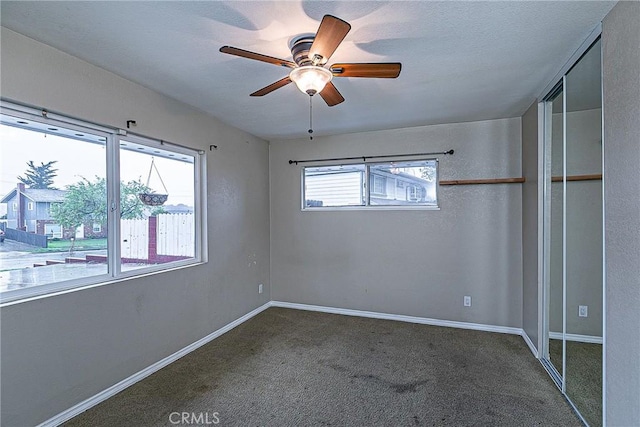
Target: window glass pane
{"x":409,"y":183}
{"x":334,"y":186}
{"x":52,"y":184}
{"x":157,"y":205}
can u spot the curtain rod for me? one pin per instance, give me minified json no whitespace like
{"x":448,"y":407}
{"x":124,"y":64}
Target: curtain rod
{"x":364,"y":158}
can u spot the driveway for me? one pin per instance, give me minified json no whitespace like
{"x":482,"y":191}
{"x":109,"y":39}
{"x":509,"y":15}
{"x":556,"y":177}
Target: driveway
{"x":15,"y":255}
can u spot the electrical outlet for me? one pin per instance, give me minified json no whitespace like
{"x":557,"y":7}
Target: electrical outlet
{"x":583,"y":310}
{"x":467,"y":301}
{"x":260,"y":288}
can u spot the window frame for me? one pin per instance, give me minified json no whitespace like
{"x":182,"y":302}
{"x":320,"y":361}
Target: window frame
{"x":112,"y":174}
{"x":367,"y":185}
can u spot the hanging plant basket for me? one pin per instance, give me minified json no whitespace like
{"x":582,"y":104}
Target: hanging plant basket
{"x":153,"y":199}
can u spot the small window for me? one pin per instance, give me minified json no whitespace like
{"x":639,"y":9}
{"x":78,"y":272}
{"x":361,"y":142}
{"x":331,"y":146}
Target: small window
{"x":30,"y":206}
{"x":15,"y":207}
{"x":333,"y":186}
{"x":97,"y":228}
{"x":378,"y":184}
{"x":393,"y":184}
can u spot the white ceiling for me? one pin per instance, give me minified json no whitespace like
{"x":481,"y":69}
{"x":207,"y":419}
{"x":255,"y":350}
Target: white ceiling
{"x":461,"y":61}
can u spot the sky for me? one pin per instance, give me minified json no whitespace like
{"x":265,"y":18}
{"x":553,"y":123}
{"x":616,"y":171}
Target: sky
{"x":79,"y":159}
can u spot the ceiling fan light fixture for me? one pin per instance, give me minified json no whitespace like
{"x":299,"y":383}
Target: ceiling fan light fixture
{"x":310,"y":79}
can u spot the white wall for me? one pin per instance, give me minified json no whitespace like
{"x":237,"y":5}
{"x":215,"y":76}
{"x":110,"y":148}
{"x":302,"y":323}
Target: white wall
{"x":621,"y":90}
{"x":60,"y":350}
{"x":419,"y":262}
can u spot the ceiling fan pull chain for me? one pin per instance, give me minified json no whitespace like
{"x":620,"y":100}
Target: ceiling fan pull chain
{"x":310,"y":118}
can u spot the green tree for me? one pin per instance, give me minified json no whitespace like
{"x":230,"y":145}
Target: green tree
{"x":86,"y":202}
{"x":39,"y":176}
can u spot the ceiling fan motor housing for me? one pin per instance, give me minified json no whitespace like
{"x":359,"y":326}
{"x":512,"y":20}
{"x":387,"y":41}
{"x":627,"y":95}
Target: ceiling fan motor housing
{"x":300,"y":50}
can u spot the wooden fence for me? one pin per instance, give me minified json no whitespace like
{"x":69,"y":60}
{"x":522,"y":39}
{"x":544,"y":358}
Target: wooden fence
{"x":162,"y":237}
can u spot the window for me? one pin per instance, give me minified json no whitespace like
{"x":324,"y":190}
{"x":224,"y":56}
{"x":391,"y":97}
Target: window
{"x":378,"y":184}
{"x":402,"y":184}
{"x":334,"y":186}
{"x":138,"y":195}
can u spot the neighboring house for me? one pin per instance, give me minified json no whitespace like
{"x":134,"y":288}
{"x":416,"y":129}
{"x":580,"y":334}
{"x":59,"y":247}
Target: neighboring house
{"x":29,"y":209}
{"x":389,"y":187}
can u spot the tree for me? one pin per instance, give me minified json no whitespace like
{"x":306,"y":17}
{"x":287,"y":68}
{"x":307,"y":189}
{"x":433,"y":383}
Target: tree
{"x":428,"y":173}
{"x":39,"y":176}
{"x":86,"y":202}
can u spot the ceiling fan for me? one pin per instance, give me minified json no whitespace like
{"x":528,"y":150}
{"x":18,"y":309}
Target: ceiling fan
{"x":310,"y":54}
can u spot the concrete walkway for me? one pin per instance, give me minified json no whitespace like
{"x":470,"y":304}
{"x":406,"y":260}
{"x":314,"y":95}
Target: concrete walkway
{"x":17,"y":269}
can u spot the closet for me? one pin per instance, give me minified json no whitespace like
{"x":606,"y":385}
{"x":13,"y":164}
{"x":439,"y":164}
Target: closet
{"x":573,"y":235}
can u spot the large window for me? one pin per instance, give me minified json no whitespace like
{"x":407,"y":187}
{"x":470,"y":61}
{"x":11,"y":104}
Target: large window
{"x":83,"y":204}
{"x":402,"y":184}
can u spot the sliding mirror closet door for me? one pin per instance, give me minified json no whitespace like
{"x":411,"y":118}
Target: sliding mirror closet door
{"x":555,"y":298}
{"x":584,"y":235}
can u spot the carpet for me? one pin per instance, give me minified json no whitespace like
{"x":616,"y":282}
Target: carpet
{"x":289,"y":367}
{"x":584,"y":376}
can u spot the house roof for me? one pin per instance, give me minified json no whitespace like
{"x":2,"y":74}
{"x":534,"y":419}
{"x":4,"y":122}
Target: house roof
{"x":37,"y":195}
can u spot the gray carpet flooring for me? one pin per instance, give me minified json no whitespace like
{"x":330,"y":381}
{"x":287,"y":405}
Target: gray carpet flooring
{"x":584,"y":377}
{"x":297,"y":368}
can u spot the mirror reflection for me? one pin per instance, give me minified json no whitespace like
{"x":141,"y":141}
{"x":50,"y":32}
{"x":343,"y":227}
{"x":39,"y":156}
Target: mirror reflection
{"x":583,"y":210}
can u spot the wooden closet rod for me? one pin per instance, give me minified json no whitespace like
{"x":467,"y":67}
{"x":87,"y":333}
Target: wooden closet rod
{"x":483,"y":181}
{"x":592,"y":177}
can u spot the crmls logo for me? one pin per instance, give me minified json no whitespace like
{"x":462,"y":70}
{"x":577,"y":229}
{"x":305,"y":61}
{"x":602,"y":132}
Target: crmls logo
{"x":194,"y":418}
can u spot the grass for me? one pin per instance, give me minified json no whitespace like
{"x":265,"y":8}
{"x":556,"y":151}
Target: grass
{"x":80,"y":245}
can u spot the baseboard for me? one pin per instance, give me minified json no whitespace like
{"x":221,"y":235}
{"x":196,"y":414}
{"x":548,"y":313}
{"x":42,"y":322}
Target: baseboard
{"x":400,"y":317}
{"x":532,"y":347}
{"x":127,"y":382}
{"x":590,"y":339}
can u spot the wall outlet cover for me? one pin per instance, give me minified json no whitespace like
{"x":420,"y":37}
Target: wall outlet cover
{"x":583,"y":310}
{"x":467,"y":301}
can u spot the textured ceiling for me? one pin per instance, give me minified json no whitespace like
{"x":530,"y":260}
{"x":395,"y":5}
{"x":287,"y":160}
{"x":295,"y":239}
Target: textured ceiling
{"x":462,"y":61}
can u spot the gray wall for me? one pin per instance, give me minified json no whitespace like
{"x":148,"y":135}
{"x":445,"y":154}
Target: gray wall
{"x":530,"y":223}
{"x":60,"y":350}
{"x":411,"y":262}
{"x":621,"y":79}
{"x":584,"y":223}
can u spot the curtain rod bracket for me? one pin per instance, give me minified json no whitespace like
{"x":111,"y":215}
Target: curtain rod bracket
{"x":213,"y":147}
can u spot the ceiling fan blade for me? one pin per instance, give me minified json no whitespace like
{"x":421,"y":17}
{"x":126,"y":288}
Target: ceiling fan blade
{"x":273,"y":86}
{"x":388,"y":70}
{"x":330,"y":34}
{"x":257,"y":56}
{"x":331,"y":95}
